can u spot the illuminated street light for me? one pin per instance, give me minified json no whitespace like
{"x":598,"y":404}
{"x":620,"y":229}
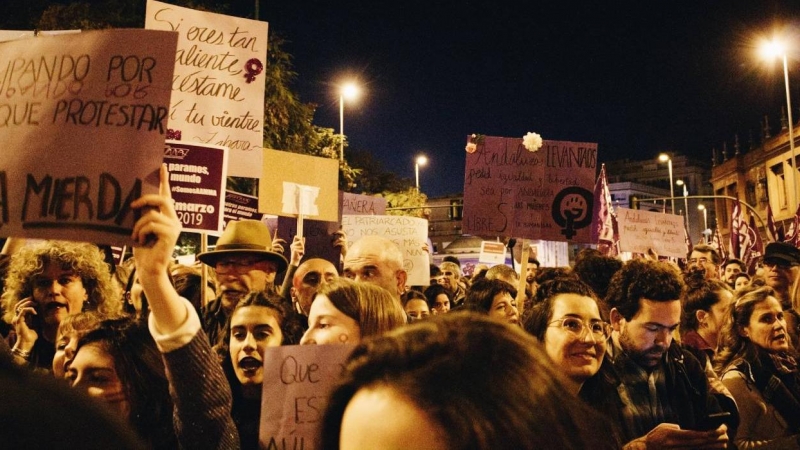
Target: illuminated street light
{"x":702,"y":207}
{"x":665,"y":158}
{"x":771,"y":49}
{"x":685,"y":204}
{"x":348,"y":91}
{"x":421,"y":161}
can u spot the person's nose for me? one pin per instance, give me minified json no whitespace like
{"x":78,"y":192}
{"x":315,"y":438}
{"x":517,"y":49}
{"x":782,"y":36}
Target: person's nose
{"x":663,"y":336}
{"x":249,"y":343}
{"x":587,"y":336}
{"x":307,"y":338}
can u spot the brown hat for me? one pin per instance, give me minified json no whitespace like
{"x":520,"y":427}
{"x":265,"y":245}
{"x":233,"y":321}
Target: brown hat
{"x":245,"y":236}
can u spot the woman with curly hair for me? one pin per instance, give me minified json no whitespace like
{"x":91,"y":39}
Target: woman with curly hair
{"x":48,"y":282}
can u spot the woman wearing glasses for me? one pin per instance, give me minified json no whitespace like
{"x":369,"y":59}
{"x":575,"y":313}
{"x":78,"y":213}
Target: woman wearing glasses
{"x":566,"y":319}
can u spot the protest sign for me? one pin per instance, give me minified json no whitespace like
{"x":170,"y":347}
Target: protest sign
{"x":291,"y":181}
{"x":218,"y":88}
{"x":196,"y":178}
{"x":547,"y":194}
{"x":642,"y":230}
{"x":82,"y":122}
{"x":409,"y":233}
{"x":492,"y":253}
{"x":297,"y":382}
{"x":240,"y":206}
{"x":362,"y":205}
{"x":319,"y":238}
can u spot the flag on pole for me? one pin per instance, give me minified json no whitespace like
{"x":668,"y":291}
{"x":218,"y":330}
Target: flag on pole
{"x":793,"y":235}
{"x":772,"y":230}
{"x":716,"y":241}
{"x":604,"y":227}
{"x":739,"y":237}
{"x":756,"y":249}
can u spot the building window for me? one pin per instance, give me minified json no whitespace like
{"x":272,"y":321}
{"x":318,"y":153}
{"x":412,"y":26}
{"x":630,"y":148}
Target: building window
{"x":456,"y":209}
{"x":780,"y":186}
{"x":750,"y":193}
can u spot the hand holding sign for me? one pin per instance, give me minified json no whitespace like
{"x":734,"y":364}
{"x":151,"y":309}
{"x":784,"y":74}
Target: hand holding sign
{"x":156,"y":232}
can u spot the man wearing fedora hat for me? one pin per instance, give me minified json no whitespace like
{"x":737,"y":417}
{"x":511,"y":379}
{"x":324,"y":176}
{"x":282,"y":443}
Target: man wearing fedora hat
{"x":244,"y":262}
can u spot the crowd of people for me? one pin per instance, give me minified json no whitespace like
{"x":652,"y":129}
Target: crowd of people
{"x":604,"y":354}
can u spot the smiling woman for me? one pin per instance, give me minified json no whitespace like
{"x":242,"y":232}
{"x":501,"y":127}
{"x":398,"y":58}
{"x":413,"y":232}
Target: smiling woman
{"x":48,"y":282}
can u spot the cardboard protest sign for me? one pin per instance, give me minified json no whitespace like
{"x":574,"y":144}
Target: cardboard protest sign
{"x":297,"y":382}
{"x":240,"y":206}
{"x":82,"y":121}
{"x":492,"y":253}
{"x":409,"y":233}
{"x":319,"y":238}
{"x":547,"y":194}
{"x":292,"y":183}
{"x":218,"y":88}
{"x":643,"y":230}
{"x":197,"y":178}
{"x":364,"y":205}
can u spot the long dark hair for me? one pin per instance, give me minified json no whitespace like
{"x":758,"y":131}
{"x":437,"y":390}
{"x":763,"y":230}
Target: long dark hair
{"x":140,"y":368}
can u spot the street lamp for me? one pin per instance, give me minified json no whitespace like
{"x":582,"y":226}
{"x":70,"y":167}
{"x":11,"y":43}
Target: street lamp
{"x":348,"y":91}
{"x":665,"y":158}
{"x":685,"y":204}
{"x":772,"y":49}
{"x":421,"y":161}
{"x":702,"y":207}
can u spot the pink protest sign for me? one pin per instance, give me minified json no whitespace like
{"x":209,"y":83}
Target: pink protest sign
{"x":319,"y":238}
{"x":297,"y":382}
{"x":197,"y":179}
{"x":546,"y":194}
{"x":82,"y":124}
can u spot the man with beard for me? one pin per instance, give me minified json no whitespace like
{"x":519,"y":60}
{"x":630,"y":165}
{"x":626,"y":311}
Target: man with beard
{"x":655,"y":391}
{"x":731,"y":269}
{"x":244,"y":262}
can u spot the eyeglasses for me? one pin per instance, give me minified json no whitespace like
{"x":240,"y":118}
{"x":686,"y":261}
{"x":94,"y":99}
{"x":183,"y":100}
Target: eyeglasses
{"x":698,"y":261}
{"x":239,"y":267}
{"x":576,"y":326}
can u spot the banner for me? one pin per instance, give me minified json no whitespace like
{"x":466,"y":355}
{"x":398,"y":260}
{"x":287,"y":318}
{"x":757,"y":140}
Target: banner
{"x":409,"y":233}
{"x":510,"y":191}
{"x":640,"y":231}
{"x":197,"y":180}
{"x":82,"y":125}
{"x":218,"y":88}
{"x":297,"y":382}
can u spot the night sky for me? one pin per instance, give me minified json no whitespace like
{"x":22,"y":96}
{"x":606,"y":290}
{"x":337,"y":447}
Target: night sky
{"x":637,"y":78}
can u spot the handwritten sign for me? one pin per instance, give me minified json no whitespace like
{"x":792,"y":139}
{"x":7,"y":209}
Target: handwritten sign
{"x":286,"y":176}
{"x":297,"y":382}
{"x":218,"y":88}
{"x":642,"y":230}
{"x":82,"y":125}
{"x":197,"y":177}
{"x":492,"y":253}
{"x":409,"y":233}
{"x":509,"y":191}
{"x":362,"y":205}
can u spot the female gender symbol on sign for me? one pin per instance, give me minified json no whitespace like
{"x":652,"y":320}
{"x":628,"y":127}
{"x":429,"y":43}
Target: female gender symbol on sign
{"x":572,"y":209}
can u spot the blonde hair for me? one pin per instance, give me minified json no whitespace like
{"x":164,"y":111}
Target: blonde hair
{"x":86,"y":260}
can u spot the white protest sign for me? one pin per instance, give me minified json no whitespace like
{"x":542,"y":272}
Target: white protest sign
{"x":492,"y":253}
{"x":297,"y":382}
{"x":642,"y":230}
{"x":218,"y":88}
{"x":409,"y":233}
{"x":82,"y":124}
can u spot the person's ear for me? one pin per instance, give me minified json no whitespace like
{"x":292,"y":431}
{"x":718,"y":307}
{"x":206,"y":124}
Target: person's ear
{"x":402,"y":277}
{"x":616,"y":319}
{"x":743,"y":331}
{"x":701,"y":317}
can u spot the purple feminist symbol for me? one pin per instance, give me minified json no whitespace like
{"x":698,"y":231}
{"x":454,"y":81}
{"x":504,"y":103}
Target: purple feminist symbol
{"x":252,"y":68}
{"x":173,"y":134}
